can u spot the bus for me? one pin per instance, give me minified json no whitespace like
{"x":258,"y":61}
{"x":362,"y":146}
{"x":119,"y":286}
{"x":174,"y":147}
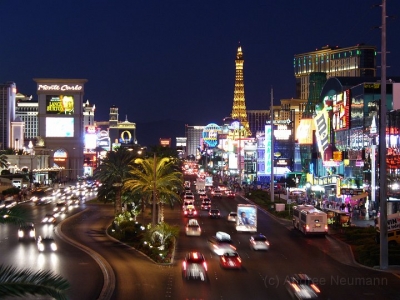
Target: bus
{"x":310,"y":220}
{"x":393,"y":228}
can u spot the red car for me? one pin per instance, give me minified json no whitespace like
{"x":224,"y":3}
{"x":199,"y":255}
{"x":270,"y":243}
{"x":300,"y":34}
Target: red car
{"x":230,"y":260}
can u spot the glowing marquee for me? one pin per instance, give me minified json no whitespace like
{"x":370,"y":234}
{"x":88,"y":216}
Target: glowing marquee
{"x":210,"y":134}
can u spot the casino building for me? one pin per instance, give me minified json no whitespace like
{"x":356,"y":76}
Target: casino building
{"x":61,"y":124}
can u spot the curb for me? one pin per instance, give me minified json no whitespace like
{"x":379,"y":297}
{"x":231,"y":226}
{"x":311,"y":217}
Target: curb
{"x":108,"y":273}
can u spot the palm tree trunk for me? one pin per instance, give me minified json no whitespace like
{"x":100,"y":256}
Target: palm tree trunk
{"x":118,"y":204}
{"x":154,"y":214}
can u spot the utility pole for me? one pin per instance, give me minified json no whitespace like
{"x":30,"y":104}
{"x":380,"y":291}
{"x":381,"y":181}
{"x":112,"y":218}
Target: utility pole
{"x":382,"y":150}
{"x":272,"y":184}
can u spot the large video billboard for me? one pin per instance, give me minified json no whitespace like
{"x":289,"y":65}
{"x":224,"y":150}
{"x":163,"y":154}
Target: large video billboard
{"x":59,"y":127}
{"x":59,"y":104}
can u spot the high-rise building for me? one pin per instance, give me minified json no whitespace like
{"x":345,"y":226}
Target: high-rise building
{"x":193,"y":139}
{"x":27,"y":110}
{"x":239,"y":103}
{"x":355,"y":61}
{"x":7,"y":110}
{"x":257,"y":120}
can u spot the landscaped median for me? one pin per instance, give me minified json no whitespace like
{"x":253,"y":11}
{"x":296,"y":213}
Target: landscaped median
{"x":157,"y":243}
{"x":361,"y":239}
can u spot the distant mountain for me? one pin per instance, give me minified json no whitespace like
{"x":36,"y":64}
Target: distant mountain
{"x":149,"y":133}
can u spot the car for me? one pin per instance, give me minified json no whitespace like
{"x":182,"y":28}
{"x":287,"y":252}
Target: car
{"x":259,"y":242}
{"x":230,"y":194}
{"x":46,"y":244}
{"x":190,"y":211}
{"x":49,"y":219}
{"x":232,"y":216}
{"x":186,"y":203}
{"x":214,"y":213}
{"x":217,"y":194}
{"x":194,"y":266}
{"x":221,"y":243}
{"x":231,"y":260}
{"x":193,"y":228}
{"x":43,"y":201}
{"x":301,"y":286}
{"x":27,"y":232}
{"x":202,"y":194}
{"x":61,"y":208}
{"x":188,"y":198}
{"x":206,"y":204}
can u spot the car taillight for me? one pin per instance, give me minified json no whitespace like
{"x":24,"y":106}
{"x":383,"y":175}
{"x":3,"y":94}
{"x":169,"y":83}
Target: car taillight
{"x":223,"y":259}
{"x":315,"y":288}
{"x":20,"y":233}
{"x":295,"y":286}
{"x":326,"y":227}
{"x":184,"y":265}
{"x":195,"y":212}
{"x":307,"y":227}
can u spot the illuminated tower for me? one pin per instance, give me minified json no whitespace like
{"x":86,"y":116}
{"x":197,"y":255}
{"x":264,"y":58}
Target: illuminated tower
{"x":239,"y":104}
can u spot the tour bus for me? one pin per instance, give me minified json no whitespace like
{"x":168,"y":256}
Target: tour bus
{"x":393,"y":228}
{"x":310,"y":220}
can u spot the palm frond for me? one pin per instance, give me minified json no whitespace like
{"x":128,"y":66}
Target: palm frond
{"x":18,"y":215}
{"x":15,"y":282}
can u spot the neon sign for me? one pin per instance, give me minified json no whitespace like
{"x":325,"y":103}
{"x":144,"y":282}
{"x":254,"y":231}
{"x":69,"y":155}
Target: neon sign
{"x":59,"y":87}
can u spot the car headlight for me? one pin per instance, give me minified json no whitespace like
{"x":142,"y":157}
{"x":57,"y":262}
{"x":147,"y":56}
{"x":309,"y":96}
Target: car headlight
{"x":53,"y":246}
{"x":32,"y":233}
{"x":41,"y":247}
{"x":20,"y":233}
{"x":44,"y":220}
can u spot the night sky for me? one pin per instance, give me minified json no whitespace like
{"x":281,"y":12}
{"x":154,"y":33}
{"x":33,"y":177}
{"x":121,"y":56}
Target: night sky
{"x":175,"y":60}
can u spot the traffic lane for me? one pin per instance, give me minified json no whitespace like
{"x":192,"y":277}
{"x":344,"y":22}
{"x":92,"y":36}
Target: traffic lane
{"x":67,"y":261}
{"x":293,"y":253}
{"x":135,"y":274}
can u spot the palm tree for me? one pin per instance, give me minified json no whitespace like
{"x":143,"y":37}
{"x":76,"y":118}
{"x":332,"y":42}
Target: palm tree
{"x":14,"y":282}
{"x":112,"y":173}
{"x":155,"y":179}
{"x":3,"y":161}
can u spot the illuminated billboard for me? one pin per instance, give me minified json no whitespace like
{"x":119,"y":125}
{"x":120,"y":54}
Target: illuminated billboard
{"x":305,"y":132}
{"x":322,"y":130}
{"x":210,"y":135}
{"x":59,"y":104}
{"x":341,"y":111}
{"x":59,"y":127}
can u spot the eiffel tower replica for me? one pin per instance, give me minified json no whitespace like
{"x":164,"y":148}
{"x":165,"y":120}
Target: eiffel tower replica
{"x":239,"y":105}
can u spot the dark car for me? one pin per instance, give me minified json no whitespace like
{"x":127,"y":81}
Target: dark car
{"x":49,"y":219}
{"x":27,"y":232}
{"x":214,"y":213}
{"x":300,"y":286}
{"x":206,"y":204}
{"x":46,"y":244}
{"x":194,"y":266}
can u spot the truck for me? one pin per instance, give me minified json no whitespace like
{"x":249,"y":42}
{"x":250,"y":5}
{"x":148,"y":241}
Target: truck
{"x":393,"y":227}
{"x":246,"y":219}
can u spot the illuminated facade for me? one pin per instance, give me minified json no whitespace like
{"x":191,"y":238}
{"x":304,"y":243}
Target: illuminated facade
{"x":27,"y":110}
{"x":239,"y":105}
{"x":355,"y":61}
{"x":193,"y":137}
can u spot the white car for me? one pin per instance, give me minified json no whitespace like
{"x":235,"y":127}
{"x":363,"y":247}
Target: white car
{"x":232,"y":216}
{"x":188,"y":198}
{"x":221,"y":243}
{"x":259,"y":242}
{"x":193,"y":228}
